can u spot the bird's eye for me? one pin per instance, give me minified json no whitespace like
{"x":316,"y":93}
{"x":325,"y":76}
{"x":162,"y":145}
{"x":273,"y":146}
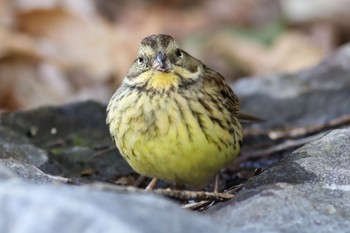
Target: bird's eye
{"x":140,"y":60}
{"x":179,"y":53}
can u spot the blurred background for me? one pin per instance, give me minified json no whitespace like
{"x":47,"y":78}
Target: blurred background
{"x":59,"y":51}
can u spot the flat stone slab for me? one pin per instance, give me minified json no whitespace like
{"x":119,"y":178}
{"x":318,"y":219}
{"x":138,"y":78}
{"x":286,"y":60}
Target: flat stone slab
{"x":29,"y":208}
{"x":307,"y":191}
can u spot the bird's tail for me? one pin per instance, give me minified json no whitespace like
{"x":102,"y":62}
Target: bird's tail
{"x":244,"y":117}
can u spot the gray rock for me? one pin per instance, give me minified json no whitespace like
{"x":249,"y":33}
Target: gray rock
{"x":31,"y":208}
{"x":6,"y":173}
{"x":8,"y":135}
{"x":26,"y":153}
{"x":72,"y":136}
{"x":13,"y":145}
{"x":308,"y":191}
{"x":312,"y":96}
{"x":25,"y":171}
{"x":325,"y":161}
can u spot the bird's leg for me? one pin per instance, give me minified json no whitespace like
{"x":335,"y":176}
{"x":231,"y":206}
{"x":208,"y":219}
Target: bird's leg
{"x":217,"y":181}
{"x":139,"y":180}
{"x":151,"y":184}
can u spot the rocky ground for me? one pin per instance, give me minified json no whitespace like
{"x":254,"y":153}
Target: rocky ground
{"x":51,"y":156}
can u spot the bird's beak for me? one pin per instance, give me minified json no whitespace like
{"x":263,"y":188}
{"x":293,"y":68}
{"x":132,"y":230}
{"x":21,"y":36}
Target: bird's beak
{"x":161,"y":63}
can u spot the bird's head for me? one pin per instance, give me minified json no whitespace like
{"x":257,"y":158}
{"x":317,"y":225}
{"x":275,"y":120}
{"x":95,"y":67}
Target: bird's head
{"x":162,"y":64}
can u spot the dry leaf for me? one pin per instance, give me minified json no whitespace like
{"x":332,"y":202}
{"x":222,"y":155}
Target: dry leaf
{"x":55,"y":51}
{"x":291,"y":52}
{"x":335,"y":11}
{"x":72,"y":42}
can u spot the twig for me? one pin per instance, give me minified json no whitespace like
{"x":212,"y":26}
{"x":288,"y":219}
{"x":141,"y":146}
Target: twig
{"x":185,"y":195}
{"x":177,"y":194}
{"x":207,"y":203}
{"x":290,"y":133}
{"x":198,"y":205}
{"x":112,"y":187}
{"x":64,"y":180}
{"x":104,"y":151}
{"x":288,"y":144}
{"x":301,"y":131}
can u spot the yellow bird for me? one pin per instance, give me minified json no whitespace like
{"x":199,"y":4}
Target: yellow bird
{"x":173,"y":118}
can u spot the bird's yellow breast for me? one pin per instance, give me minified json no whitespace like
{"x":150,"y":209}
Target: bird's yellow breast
{"x":161,"y":136}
